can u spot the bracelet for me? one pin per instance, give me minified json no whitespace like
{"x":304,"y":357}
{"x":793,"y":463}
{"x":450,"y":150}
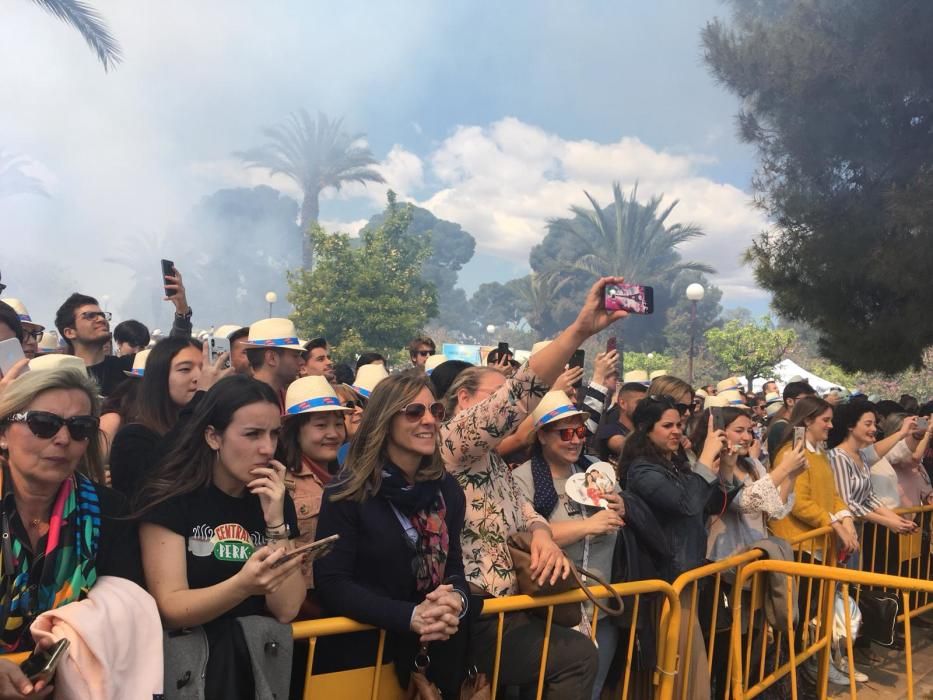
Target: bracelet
{"x":275,"y":527}
{"x":277,"y":536}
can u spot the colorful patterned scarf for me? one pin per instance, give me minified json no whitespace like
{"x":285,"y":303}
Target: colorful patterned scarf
{"x":423,"y":504}
{"x":67,"y":564}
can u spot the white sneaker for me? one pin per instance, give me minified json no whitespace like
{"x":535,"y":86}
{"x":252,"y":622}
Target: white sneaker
{"x":843,"y":668}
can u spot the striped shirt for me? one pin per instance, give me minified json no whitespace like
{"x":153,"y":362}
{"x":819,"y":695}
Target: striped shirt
{"x":853,"y":480}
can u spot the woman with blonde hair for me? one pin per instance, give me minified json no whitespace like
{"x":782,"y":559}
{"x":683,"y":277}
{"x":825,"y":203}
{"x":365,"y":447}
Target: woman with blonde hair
{"x":60,"y":530}
{"x":397,"y":564}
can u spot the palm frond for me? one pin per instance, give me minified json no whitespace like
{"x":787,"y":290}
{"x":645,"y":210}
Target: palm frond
{"x":90,"y":24}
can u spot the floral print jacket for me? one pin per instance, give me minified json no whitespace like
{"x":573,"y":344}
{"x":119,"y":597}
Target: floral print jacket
{"x":494,"y":505}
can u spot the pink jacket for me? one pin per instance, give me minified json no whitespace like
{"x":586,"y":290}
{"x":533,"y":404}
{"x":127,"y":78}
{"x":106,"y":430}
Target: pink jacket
{"x":116,"y":643}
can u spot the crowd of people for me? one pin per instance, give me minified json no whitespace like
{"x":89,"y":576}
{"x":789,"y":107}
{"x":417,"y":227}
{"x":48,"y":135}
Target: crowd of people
{"x":190,"y":479}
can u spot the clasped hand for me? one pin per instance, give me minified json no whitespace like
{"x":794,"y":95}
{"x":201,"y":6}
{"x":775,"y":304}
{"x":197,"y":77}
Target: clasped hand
{"x":437,"y":617}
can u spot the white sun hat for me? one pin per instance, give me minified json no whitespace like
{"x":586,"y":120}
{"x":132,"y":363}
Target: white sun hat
{"x":659,"y":373}
{"x":50,"y":343}
{"x":54,"y":360}
{"x":555,"y":405}
{"x":638,"y":376}
{"x":367,"y":377}
{"x":274,"y":333}
{"x":23,"y":314}
{"x":311,"y":395}
{"x":139,"y":364}
{"x":730,"y":384}
{"x":434,"y":361}
{"x":225,"y":330}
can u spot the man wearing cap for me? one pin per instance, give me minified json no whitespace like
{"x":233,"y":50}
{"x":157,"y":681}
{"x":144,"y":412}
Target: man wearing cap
{"x":318,"y":362}
{"x":274,"y":354}
{"x":32,"y":331}
{"x":618,"y":424}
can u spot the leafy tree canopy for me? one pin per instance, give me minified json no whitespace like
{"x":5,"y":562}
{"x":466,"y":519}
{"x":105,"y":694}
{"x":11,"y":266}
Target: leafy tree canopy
{"x":749,"y":349}
{"x":372,"y":295}
{"x":837,"y":97}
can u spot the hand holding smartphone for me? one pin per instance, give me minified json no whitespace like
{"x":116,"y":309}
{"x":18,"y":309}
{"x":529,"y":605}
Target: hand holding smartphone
{"x":634,"y":298}
{"x":11,"y":352}
{"x":41,"y":665}
{"x":612,"y":345}
{"x":800,"y":437}
{"x":314,"y":550}
{"x":577,"y":360}
{"x":217,"y":346}
{"x":168,"y":270}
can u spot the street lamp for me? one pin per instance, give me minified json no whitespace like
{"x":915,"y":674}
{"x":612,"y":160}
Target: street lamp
{"x":695,"y":293}
{"x":271,"y":298}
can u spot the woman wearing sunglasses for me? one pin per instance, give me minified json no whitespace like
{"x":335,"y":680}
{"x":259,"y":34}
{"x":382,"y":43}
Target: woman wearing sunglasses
{"x":587,"y":534}
{"x":397,"y":564}
{"x":312,"y":432}
{"x":60,"y":530}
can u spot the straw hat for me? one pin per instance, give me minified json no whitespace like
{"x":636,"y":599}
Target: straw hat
{"x":555,"y":405}
{"x":731,"y":397}
{"x":659,"y":373}
{"x":539,"y":346}
{"x":730,"y":384}
{"x":700,"y":393}
{"x":55,"y":360}
{"x":225,"y":330}
{"x":367,"y":377}
{"x":434,"y":361}
{"x":139,"y":364}
{"x":773,"y":403}
{"x":311,"y":395}
{"x":23,"y":314}
{"x":636,"y":375}
{"x":50,"y":343}
{"x":714,"y":402}
{"x":274,"y":333}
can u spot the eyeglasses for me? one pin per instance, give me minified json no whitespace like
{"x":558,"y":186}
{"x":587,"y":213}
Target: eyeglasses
{"x":361,"y":404}
{"x":424,"y":353}
{"x":37,"y":335}
{"x":92,"y":315}
{"x":566,"y":434}
{"x":46,"y":425}
{"x":681,"y":408}
{"x":416,"y":411}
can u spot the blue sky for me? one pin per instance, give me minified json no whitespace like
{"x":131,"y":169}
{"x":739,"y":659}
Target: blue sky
{"x":495,"y":115}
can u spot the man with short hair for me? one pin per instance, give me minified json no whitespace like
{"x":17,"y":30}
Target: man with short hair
{"x":420,"y":349}
{"x":611,"y":435}
{"x":317,"y":360}
{"x":769,"y":387}
{"x":238,"y":359}
{"x":779,"y":423}
{"x":274,"y":354}
{"x":131,"y":336}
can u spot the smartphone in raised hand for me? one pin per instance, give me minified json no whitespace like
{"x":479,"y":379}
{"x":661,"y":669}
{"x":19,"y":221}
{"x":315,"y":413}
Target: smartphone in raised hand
{"x":612,"y":345}
{"x":578,"y":360}
{"x":218,"y":345}
{"x":634,"y":298}
{"x":800,"y":437}
{"x":168,"y":270}
{"x":11,"y":352}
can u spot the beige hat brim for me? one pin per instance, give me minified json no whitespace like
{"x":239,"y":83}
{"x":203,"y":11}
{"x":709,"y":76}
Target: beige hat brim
{"x":559,"y":417}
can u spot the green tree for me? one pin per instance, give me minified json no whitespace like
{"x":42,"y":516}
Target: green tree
{"x":749,"y":349}
{"x":315,"y":155}
{"x":648,"y":361}
{"x":836,"y":98}
{"x":538,"y":297}
{"x":496,"y":303}
{"x":90,"y":24}
{"x":625,"y":239}
{"x":371,"y":295}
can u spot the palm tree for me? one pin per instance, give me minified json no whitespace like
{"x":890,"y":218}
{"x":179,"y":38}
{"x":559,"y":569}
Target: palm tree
{"x":538,"y":296}
{"x":14,"y":181}
{"x":315,"y":155}
{"x":635,"y":243}
{"x":90,"y":24}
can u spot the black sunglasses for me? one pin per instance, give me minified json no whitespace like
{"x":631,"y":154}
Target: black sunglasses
{"x":424,"y":353}
{"x":46,"y":425}
{"x":361,"y":404}
{"x":416,"y":411}
{"x":681,"y":408}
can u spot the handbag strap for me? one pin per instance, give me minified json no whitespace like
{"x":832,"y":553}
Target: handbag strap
{"x":579,"y":573}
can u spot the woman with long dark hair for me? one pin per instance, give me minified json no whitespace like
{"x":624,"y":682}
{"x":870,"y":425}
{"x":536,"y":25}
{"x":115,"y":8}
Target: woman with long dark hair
{"x":172,"y":376}
{"x":397,"y":564}
{"x":216,"y":521}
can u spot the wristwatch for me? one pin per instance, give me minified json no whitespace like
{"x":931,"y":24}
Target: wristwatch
{"x":186,"y":315}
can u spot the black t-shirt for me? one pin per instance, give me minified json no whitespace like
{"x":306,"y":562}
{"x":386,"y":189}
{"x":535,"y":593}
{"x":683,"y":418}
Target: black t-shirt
{"x":609,"y":428}
{"x":109,"y":373}
{"x":221,"y":532}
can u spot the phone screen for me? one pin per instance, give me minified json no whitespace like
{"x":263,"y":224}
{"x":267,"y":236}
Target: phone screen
{"x":634,"y":298}
{"x":800,"y":436}
{"x":168,"y":269}
{"x":218,"y":346}
{"x":11,"y":352}
{"x":612,"y":344}
{"x":578,"y":360}
{"x":719,"y":422}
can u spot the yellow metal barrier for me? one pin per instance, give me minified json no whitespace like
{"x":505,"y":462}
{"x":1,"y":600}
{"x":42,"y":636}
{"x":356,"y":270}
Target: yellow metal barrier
{"x":752,"y":574}
{"x":378,"y":682}
{"x":682,"y":631}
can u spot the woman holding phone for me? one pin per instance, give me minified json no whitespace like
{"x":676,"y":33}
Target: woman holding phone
{"x":216,"y":523}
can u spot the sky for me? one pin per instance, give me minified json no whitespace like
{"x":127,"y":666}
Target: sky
{"x":497,"y":116}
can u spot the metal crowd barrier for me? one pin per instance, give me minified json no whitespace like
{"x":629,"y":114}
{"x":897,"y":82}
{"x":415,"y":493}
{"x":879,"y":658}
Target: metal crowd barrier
{"x":378,"y":682}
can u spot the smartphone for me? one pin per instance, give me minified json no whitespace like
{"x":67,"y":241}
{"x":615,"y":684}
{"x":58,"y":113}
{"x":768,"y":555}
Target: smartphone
{"x":217,"y":345}
{"x":11,"y":352}
{"x":800,"y":436}
{"x":922,"y":424}
{"x":503,"y":350}
{"x":168,"y":270}
{"x":41,"y":665}
{"x":316,"y":549}
{"x":612,"y":345}
{"x":634,"y":298}
{"x":577,"y":360}
{"x":719,"y":422}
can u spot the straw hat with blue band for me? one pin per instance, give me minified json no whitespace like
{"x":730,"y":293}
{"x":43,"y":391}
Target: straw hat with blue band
{"x":367,"y":377}
{"x":730,"y":384}
{"x":555,"y":405}
{"x":23,"y":314}
{"x":139,"y":364}
{"x":274,"y":333}
{"x":732,"y":398}
{"x":311,"y":395}
{"x":773,"y":403}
